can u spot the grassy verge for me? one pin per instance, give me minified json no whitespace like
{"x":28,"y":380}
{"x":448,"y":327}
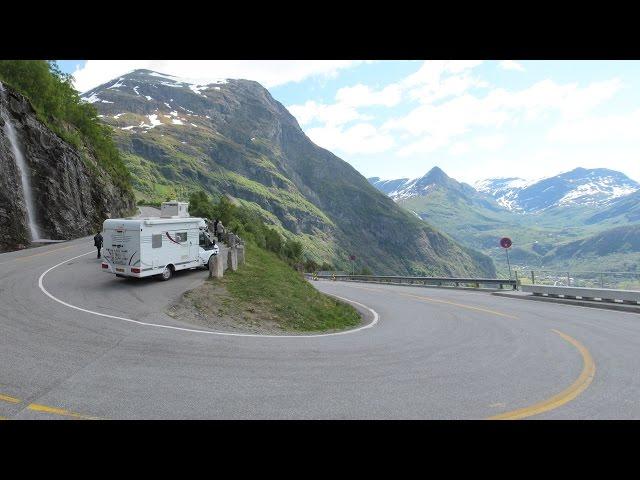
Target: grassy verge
{"x":267,"y":284}
{"x":265,"y":296}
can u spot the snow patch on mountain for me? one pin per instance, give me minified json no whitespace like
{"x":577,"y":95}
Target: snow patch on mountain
{"x":505,"y":190}
{"x":578,"y":187}
{"x":154,"y":120}
{"x":179,"y":82}
{"x":93,"y":99}
{"x":198,"y":89}
{"x":118,"y":83}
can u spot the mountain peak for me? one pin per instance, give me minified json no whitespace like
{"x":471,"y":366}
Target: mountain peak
{"x":404,"y":188}
{"x":580,"y":186}
{"x":436,"y":175}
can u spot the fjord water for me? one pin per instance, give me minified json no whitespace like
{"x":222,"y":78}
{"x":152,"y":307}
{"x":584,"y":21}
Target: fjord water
{"x":10,"y":132}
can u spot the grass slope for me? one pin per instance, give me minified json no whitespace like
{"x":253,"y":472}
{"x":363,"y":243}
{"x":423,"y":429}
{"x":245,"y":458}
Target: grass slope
{"x":267,"y":284}
{"x":265,"y":296}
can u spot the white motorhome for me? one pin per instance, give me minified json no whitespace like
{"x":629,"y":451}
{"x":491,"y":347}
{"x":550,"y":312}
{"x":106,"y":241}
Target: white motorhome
{"x":143,"y":247}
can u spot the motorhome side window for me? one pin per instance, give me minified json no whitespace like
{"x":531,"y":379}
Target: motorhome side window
{"x":181,"y":237}
{"x":156,"y":241}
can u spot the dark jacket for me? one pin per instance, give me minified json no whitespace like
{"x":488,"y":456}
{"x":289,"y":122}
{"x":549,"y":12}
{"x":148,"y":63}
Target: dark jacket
{"x":97,"y":240}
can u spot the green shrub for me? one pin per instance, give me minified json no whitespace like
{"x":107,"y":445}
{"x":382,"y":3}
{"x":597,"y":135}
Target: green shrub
{"x":247,"y":225}
{"x":273,"y":241}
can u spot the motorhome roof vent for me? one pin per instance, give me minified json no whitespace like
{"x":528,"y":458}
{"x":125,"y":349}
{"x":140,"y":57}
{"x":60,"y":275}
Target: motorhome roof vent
{"x":174,"y":209}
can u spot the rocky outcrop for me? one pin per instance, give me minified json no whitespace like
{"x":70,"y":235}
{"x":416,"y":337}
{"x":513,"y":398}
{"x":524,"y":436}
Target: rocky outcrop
{"x":72,"y":194}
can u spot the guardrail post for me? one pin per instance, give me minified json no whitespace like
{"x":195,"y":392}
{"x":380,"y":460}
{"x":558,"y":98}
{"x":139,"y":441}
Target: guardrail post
{"x":232,"y":259}
{"x":216,"y":265}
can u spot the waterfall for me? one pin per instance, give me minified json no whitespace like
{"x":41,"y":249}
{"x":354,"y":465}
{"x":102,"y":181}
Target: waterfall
{"x":10,"y":132}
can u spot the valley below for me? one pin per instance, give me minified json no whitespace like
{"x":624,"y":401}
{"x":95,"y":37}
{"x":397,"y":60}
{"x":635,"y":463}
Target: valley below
{"x":584,"y":221}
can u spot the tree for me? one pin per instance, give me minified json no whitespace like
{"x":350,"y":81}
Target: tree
{"x":225,"y":210}
{"x":200,"y":205}
{"x":326,"y":267}
{"x":310,"y":266}
{"x":273,"y":240}
{"x":293,"y":250}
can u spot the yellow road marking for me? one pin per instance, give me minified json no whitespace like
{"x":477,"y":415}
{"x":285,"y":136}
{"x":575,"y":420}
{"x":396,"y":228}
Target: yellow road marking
{"x":461,"y":305}
{"x":41,"y":253}
{"x":36,"y":407}
{"x":58,"y":411}
{"x":435,"y":300}
{"x":570,"y":393}
{"x":7,"y":398}
{"x":575,"y":389}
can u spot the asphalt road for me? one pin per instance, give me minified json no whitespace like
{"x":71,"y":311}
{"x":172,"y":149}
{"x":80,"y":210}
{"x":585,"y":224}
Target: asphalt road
{"x":433,"y":354}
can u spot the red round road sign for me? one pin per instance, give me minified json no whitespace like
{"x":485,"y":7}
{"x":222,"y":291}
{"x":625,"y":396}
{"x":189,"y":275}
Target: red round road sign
{"x":505,"y":242}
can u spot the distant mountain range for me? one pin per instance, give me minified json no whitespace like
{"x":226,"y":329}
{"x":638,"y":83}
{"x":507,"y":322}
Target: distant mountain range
{"x":585,"y":187}
{"x":562,"y":221}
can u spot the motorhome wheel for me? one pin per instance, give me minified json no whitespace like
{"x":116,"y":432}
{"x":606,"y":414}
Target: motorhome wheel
{"x":166,"y":274}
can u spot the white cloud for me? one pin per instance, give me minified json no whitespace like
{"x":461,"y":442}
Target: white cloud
{"x":434,"y":80}
{"x":432,"y":70}
{"x":362,"y":138}
{"x":438,"y":79}
{"x":569,"y":100}
{"x":593,"y":129}
{"x":269,"y":73}
{"x":486,"y":143}
{"x":460,"y":148}
{"x":344,"y":110}
{"x":331,"y":115}
{"x":362,"y":96}
{"x":490,"y":143}
{"x":451,"y":86}
{"x":511,"y":65}
{"x":437,"y":126}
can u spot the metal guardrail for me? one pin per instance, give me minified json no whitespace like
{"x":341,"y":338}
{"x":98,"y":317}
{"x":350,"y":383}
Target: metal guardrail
{"x":424,"y":281}
{"x":582,"y":279}
{"x":601,"y":294}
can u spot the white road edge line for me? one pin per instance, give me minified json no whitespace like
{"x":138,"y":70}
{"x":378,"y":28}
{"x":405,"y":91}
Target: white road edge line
{"x":209,"y":332}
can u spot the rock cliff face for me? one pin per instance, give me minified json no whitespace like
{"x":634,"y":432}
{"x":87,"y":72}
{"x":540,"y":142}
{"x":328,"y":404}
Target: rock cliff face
{"x":71,"y":194}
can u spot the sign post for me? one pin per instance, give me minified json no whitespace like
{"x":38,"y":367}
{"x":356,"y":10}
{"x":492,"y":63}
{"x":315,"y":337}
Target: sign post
{"x":505,"y":242}
{"x":352,"y":258}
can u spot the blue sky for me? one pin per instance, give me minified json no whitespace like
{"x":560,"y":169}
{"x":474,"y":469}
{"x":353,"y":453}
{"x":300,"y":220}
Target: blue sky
{"x":473,"y":119}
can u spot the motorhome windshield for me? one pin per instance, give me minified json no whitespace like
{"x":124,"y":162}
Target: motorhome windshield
{"x":205,"y":241}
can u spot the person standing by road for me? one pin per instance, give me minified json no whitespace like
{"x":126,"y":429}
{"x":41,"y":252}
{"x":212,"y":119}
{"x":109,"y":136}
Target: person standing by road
{"x":97,"y":241}
{"x":219,"y":231}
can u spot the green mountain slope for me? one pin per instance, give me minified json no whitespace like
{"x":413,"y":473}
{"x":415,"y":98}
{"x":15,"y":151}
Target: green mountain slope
{"x":234,"y":138}
{"x":614,"y":249}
